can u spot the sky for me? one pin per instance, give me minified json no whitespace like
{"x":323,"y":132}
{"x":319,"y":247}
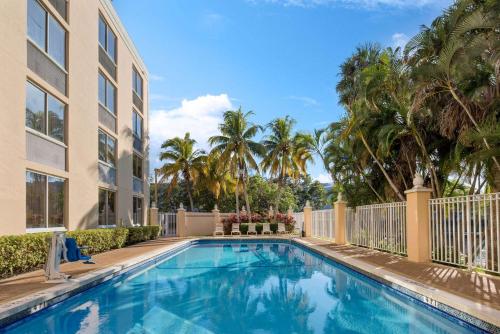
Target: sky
{"x":273,"y":57}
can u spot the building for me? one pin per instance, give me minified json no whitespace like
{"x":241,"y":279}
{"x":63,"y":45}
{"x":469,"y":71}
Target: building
{"x":73,"y":119}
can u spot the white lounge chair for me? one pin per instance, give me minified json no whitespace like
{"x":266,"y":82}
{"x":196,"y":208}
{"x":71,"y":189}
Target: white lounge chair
{"x":219,"y":229}
{"x":266,"y":228}
{"x":251,"y":229}
{"x":281,"y":228}
{"x":235,"y":229}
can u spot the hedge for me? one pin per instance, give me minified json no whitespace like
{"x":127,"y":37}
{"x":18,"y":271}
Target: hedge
{"x":27,"y":252}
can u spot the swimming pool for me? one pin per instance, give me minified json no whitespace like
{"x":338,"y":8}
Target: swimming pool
{"x":241,"y":287}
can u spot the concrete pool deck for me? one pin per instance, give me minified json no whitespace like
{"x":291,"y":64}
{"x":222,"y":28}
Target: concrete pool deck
{"x":474,"y":293}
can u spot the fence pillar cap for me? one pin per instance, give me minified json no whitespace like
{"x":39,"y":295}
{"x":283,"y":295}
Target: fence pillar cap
{"x":418,"y":185}
{"x":308,"y":204}
{"x":153,"y":205}
{"x":340,"y":199}
{"x":181,"y":207}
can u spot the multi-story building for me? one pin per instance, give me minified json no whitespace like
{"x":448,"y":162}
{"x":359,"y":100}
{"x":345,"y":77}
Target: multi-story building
{"x":73,"y":118}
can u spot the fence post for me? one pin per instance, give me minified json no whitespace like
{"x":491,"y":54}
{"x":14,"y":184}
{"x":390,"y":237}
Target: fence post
{"x":308,"y":219}
{"x":216,"y":215}
{"x":418,"y":221}
{"x":153,"y":214}
{"x":181,"y":221}
{"x":339,"y":220}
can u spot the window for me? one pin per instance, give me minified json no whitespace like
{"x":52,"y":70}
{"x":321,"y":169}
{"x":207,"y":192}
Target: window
{"x":137,"y":210}
{"x":107,"y":148}
{"x":44,"y":201}
{"x":107,"y":205}
{"x":107,"y":39}
{"x":44,"y":113}
{"x":46,"y":32}
{"x":136,"y":82}
{"x":137,"y":166}
{"x":136,"y":125}
{"x":107,"y":93}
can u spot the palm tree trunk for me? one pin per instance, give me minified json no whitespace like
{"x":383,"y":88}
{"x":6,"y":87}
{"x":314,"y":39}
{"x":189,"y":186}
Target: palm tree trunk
{"x":188,"y":189}
{"x":368,"y":182}
{"x":247,"y":202}
{"x":237,"y":194}
{"x":393,"y":186}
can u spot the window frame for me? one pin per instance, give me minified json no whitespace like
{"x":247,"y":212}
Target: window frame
{"x":106,"y":213}
{"x":107,"y":30}
{"x":141,"y":200}
{"x":107,"y":83}
{"x":46,"y":204}
{"x":134,"y":166}
{"x":135,"y":76}
{"x":106,"y":153}
{"x":46,"y":115}
{"x":45,"y":48}
{"x":136,"y":115}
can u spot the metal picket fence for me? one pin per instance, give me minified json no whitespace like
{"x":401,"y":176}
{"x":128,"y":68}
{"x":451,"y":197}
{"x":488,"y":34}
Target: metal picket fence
{"x":378,"y":226}
{"x":299,"y":221}
{"x":465,"y":231}
{"x":323,"y":224}
{"x":168,"y":224}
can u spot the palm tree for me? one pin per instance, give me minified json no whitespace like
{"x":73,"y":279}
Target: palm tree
{"x":287,"y":153}
{"x":237,"y":149}
{"x":182,"y":160}
{"x":217,"y":177}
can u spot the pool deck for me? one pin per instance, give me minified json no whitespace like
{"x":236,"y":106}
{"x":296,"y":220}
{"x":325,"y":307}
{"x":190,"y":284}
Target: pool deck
{"x":471,"y":292}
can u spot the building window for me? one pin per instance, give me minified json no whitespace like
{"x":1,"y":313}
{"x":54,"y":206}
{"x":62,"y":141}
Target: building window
{"x":137,"y":125}
{"x":137,"y":166}
{"x":44,"y":113}
{"x":46,"y":32}
{"x":44,"y":201}
{"x":107,"y":207}
{"x":107,"y":148}
{"x":137,"y":210}
{"x":107,"y":93}
{"x":107,"y":39}
{"x":136,"y":82}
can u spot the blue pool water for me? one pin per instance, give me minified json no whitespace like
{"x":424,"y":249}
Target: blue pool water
{"x":239,"y":288}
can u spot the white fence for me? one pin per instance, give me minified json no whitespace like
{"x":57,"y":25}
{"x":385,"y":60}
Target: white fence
{"x":299,"y":221}
{"x":323,"y":224}
{"x":378,"y":226}
{"x":168,"y":223}
{"x":465,"y":231}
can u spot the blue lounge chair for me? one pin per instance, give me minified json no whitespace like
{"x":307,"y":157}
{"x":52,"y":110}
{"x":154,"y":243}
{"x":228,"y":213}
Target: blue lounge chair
{"x":73,"y":252}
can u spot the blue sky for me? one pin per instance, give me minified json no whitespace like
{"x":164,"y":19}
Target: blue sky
{"x":275,"y":57}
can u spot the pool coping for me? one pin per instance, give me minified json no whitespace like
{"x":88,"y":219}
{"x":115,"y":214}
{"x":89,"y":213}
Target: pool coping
{"x":479,"y":315}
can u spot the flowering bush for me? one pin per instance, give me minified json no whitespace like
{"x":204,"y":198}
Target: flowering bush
{"x":259,"y":220}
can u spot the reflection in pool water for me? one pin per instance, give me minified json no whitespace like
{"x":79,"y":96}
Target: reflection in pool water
{"x":240,"y":288}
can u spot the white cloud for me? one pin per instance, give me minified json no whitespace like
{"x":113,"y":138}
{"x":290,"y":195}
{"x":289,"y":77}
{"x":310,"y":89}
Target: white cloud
{"x":200,"y":116}
{"x":399,"y":40}
{"x":324,"y":178}
{"x":306,"y":101}
{"x":370,"y":4}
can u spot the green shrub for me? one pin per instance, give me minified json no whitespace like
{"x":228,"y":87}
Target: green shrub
{"x":23,"y":253}
{"x":258,"y":228}
{"x":244,"y":228}
{"x":273,"y":227}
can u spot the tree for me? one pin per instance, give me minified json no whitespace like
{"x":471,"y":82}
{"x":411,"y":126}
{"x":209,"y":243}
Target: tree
{"x":287,"y":153}
{"x":182,"y":160}
{"x":237,"y":149}
{"x":216,"y":177}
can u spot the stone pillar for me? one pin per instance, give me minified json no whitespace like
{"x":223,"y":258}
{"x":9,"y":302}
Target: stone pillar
{"x":417,"y":221}
{"x":153,"y":215}
{"x":216,"y":215}
{"x":289,"y":213}
{"x":181,"y":221}
{"x":270,"y":214}
{"x":340,"y":221}
{"x":308,"y":219}
{"x":243,"y":211}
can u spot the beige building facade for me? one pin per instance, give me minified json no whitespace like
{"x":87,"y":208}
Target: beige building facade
{"x":73,"y":118}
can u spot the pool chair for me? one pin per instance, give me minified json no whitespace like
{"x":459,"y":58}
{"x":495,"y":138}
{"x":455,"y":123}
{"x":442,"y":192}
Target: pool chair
{"x":219,"y":229}
{"x":281,"y":229}
{"x":235,"y":229}
{"x":251,"y":229}
{"x":74,"y":253}
{"x":266,"y":228}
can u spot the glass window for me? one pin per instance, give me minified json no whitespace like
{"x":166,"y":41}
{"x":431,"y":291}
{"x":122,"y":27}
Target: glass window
{"x":102,"y":89}
{"x":110,"y":97}
{"x":35,"y":108}
{"x":35,"y":200}
{"x":111,"y":151}
{"x":102,"y":33}
{"x":57,"y":42}
{"x":136,"y":82}
{"x":56,"y":202}
{"x":111,"y":47}
{"x":137,"y":166}
{"x":107,"y":212}
{"x":55,"y":118}
{"x":137,"y":125}
{"x":36,"y":23}
{"x":44,"y":113}
{"x":137,"y":210}
{"x":102,"y":146}
{"x":44,"y":201}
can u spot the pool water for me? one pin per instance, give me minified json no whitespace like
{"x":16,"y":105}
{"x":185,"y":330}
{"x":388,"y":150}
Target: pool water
{"x":239,"y":288}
